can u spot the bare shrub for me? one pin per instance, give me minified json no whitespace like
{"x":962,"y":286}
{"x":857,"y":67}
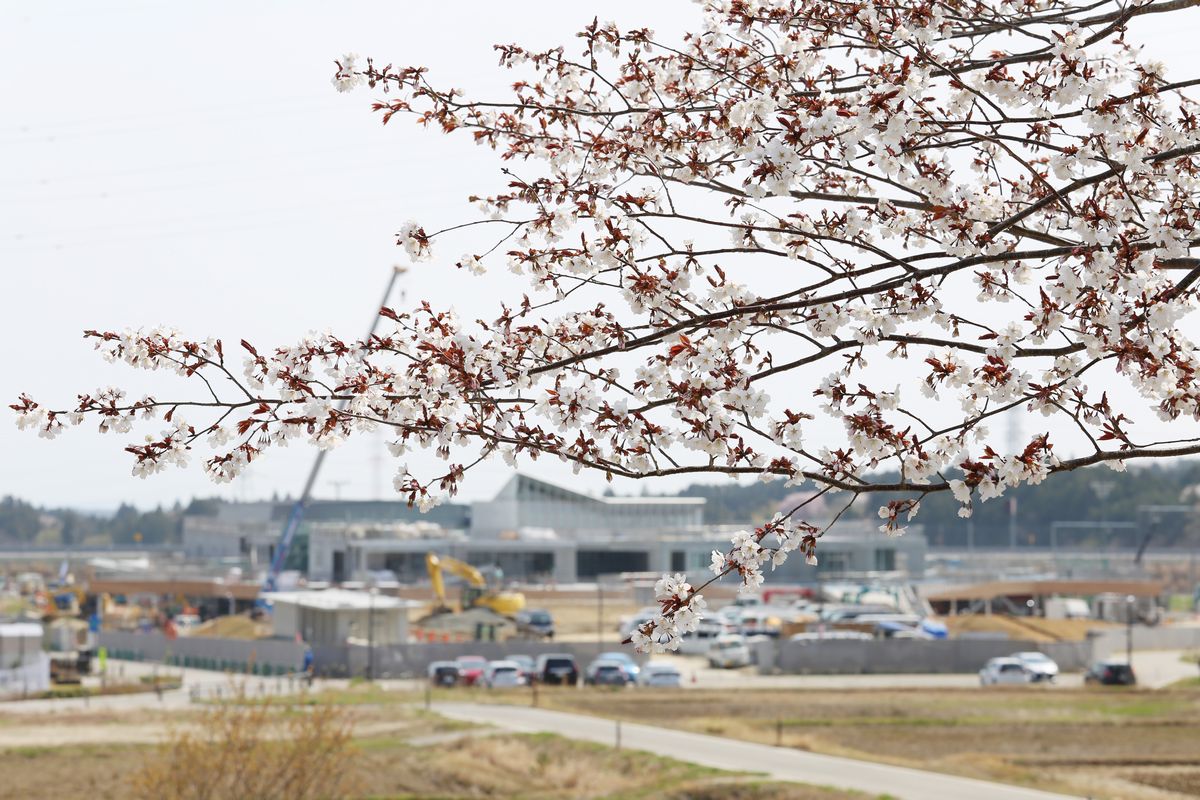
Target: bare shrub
{"x":253,"y":750}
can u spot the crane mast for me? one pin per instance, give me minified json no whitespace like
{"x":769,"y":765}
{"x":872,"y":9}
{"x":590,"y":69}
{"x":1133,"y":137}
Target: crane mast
{"x":296,"y":515}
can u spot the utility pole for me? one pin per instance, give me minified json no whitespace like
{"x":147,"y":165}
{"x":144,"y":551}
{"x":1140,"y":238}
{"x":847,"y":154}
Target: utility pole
{"x":1012,"y":522}
{"x":371,"y":634}
{"x":599,"y":615}
{"x":1014,"y":448}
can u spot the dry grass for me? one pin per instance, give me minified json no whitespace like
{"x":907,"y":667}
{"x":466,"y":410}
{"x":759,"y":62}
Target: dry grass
{"x":1051,"y":739}
{"x":233,"y":751}
{"x":1033,"y":629}
{"x":533,"y":767}
{"x":239,"y":626}
{"x":575,"y":613}
{"x":497,"y":767}
{"x":577,"y":616}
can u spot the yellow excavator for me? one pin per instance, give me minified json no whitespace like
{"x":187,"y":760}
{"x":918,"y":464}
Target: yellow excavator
{"x":476,"y":593}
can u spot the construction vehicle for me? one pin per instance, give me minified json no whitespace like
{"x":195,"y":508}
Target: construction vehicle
{"x":59,"y":603}
{"x":123,"y":616}
{"x":476,"y":593}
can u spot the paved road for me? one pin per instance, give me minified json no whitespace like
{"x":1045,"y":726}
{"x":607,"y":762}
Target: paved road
{"x":198,"y":684}
{"x":1155,"y":669}
{"x":730,"y":754}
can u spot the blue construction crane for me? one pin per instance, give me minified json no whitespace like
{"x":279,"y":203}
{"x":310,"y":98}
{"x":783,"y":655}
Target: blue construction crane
{"x":271,"y":581}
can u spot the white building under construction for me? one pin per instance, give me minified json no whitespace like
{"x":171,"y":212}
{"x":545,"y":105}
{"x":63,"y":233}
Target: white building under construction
{"x":532,"y":530}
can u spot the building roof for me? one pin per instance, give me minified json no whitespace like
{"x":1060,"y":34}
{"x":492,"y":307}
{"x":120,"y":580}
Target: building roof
{"x":523,"y":486}
{"x":339,"y":600}
{"x":988,"y":591}
{"x":17,"y":630}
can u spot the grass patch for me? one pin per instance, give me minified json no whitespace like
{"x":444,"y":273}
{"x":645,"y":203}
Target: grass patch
{"x":1005,"y":735}
{"x":362,"y":693}
{"x":499,"y":767}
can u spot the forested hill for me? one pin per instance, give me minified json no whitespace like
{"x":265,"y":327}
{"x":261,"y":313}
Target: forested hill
{"x":1096,"y":495}
{"x":24,"y":523}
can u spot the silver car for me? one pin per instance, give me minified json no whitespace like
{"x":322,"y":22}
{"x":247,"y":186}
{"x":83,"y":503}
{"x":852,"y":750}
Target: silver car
{"x":1041,"y":666}
{"x":1004,"y":671}
{"x":503,"y":675}
{"x":660,"y":675}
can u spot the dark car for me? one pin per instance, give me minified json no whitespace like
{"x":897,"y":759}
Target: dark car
{"x":557,"y":669}
{"x":1111,"y":673}
{"x":536,"y":623}
{"x":606,"y":672}
{"x":444,"y":673}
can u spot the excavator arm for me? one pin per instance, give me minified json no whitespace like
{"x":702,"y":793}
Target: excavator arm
{"x":435,"y":565}
{"x":501,"y":602}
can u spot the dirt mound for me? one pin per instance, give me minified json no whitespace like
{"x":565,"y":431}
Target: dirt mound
{"x":239,"y":626}
{"x":1032,"y":629}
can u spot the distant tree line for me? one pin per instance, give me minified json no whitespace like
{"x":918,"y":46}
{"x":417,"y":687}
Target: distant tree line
{"x":1116,"y":508}
{"x":24,"y":523}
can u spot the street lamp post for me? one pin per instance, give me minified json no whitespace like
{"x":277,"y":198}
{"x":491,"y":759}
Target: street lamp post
{"x":1102,"y":489}
{"x":1129,"y":601}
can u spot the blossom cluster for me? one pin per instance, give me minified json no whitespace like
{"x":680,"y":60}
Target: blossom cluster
{"x":930,"y":221}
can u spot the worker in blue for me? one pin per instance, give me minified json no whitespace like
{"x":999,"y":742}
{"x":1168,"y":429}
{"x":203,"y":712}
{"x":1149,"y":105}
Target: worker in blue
{"x":308,"y":664}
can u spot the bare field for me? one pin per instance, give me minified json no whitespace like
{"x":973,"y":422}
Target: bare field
{"x":497,"y":767}
{"x":1099,"y":743}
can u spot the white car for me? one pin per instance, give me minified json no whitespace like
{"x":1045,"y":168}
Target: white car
{"x":1041,"y":666}
{"x":1004,"y":671}
{"x":661,"y":675}
{"x":503,"y":675}
{"x":632,"y":622}
{"x":729,"y":652}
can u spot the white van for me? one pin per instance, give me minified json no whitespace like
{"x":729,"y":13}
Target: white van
{"x":729,"y":652}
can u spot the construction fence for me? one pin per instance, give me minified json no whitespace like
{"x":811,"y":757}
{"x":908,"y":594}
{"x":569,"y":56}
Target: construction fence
{"x":253,"y":656}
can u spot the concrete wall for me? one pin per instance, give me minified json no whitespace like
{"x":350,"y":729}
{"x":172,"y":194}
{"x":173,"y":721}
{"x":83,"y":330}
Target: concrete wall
{"x":26,"y":677}
{"x":1162,"y":637}
{"x":413,"y":660}
{"x":279,"y":655}
{"x":334,"y":626}
{"x":844,"y":657}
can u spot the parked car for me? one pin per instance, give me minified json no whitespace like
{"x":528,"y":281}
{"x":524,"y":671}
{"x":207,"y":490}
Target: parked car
{"x":606,"y":672}
{"x":1041,"y":666}
{"x":818,"y":636}
{"x":471,"y":668}
{"x":632,"y":622}
{"x":1110,"y":673}
{"x":729,"y":652}
{"x":759,"y":621}
{"x":557,"y":669}
{"x":527,"y":665}
{"x":503,"y":675}
{"x":1004,"y":671}
{"x":627,"y":662}
{"x":444,"y":673}
{"x":661,"y":675}
{"x":535,"y":622}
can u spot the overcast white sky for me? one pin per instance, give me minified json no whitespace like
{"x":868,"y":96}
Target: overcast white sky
{"x":190,"y":164}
